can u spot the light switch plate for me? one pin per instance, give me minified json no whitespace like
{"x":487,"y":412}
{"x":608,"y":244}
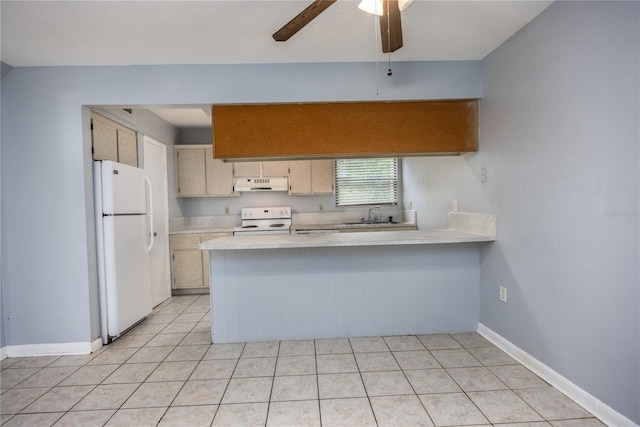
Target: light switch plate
{"x":503,"y":294}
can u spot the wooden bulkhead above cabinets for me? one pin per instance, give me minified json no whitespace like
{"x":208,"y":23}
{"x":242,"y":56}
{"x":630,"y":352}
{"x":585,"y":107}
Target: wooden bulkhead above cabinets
{"x":347,"y":129}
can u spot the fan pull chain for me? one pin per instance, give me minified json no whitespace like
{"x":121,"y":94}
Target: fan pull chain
{"x":377,"y":77}
{"x":389,"y":71}
{"x":376,"y":32}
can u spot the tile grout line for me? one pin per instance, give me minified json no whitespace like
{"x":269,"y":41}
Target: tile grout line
{"x":502,"y":382}
{"x":150,"y":373}
{"x":411,"y":385}
{"x":373,"y":412}
{"x":194,"y":369}
{"x":272,"y":381}
{"x":462,"y":389}
{"x":229,"y":381}
{"x":315,"y":358}
{"x":468,"y":343}
{"x":154,"y":370}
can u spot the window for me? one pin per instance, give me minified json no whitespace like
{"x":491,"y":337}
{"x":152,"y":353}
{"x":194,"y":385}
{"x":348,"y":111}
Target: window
{"x":366,"y":182}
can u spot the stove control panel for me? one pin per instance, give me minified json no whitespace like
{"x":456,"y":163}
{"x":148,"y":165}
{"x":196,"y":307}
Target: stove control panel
{"x":266,"y":213}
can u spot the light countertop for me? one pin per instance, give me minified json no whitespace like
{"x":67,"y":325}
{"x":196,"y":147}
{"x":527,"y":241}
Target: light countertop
{"x":294,"y":227}
{"x":301,"y":221}
{"x":382,"y":238}
{"x":202,"y":230}
{"x":463,"y":228}
{"x":350,"y":226}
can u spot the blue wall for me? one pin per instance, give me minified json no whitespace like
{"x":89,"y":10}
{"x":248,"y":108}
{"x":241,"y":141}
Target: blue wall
{"x":559,"y":136}
{"x":48,"y":272}
{"x":4,"y":71}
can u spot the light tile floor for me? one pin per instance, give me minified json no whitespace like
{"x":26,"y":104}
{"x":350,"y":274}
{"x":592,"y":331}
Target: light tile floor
{"x":166,"y":372}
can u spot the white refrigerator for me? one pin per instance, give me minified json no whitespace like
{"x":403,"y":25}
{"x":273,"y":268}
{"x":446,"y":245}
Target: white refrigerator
{"x":124,"y":238}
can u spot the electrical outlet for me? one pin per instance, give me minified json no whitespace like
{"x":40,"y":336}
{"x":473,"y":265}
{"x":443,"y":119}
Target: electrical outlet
{"x":503,"y":294}
{"x":410,"y":205}
{"x":483,"y":174}
{"x":226,"y":210}
{"x":320,"y":207}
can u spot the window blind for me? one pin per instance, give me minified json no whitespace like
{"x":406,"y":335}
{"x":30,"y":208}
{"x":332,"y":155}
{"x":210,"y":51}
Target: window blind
{"x":366,"y":182}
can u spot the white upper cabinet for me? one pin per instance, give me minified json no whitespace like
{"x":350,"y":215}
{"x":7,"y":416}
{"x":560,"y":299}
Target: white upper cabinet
{"x":275,"y":168}
{"x":261,"y":169}
{"x":127,"y":147}
{"x":300,"y":177}
{"x":112,"y":141}
{"x":247,"y":169}
{"x":322,"y":176}
{"x":219,"y":176}
{"x":311,"y":177}
{"x":200,"y":175}
{"x":191,"y":171}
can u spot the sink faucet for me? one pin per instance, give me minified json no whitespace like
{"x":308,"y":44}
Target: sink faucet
{"x":369,"y":215}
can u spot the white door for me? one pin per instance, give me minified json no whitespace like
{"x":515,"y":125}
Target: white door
{"x":155,"y":166}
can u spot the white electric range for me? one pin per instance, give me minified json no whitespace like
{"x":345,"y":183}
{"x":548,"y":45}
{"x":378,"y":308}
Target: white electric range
{"x":264,"y":221}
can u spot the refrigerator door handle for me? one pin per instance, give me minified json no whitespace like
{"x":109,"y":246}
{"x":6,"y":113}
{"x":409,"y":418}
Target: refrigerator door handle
{"x":147,"y":181}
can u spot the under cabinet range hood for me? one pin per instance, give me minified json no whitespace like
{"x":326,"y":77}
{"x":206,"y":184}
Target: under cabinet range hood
{"x":261,"y":184}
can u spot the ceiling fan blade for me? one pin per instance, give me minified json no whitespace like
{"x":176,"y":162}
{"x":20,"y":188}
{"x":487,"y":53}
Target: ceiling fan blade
{"x":302,"y":19}
{"x":390,"y":26}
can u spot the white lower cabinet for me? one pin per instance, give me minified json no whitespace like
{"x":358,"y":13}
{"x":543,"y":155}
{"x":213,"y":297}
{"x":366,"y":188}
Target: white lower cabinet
{"x":190,"y":265}
{"x":186,"y":262}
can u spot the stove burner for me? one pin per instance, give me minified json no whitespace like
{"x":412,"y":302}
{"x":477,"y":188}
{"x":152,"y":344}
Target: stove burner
{"x":249,"y":226}
{"x":276,"y":225}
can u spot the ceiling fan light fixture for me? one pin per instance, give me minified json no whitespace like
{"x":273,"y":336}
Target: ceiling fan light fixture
{"x":374,"y":7}
{"x":403,"y":4}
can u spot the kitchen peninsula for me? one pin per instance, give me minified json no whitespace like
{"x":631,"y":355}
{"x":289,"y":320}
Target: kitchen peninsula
{"x":348,"y":284}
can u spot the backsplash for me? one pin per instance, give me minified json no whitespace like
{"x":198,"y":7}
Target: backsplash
{"x":221,"y":221}
{"x":203,"y":222}
{"x":353,"y":216}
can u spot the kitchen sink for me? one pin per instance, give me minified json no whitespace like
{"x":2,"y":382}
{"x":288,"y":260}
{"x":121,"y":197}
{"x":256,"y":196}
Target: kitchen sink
{"x":370,"y":223}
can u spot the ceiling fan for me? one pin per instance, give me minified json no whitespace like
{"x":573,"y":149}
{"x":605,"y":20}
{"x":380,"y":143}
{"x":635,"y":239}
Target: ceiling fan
{"x":388,"y":11}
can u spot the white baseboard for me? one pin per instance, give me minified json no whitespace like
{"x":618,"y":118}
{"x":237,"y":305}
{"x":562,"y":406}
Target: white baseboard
{"x":599,"y":409}
{"x":55,"y":349}
{"x":96,"y":344}
{"x":3,"y":353}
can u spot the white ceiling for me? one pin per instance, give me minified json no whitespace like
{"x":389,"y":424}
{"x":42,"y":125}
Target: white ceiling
{"x":57,"y":33}
{"x":185,"y":116}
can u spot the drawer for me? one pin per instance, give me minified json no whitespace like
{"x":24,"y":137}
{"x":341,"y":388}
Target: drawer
{"x":185,"y":241}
